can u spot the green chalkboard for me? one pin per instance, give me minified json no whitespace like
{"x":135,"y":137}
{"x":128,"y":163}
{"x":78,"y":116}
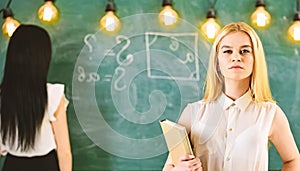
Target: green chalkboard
{"x":121,"y":85}
{"x":124,"y":84}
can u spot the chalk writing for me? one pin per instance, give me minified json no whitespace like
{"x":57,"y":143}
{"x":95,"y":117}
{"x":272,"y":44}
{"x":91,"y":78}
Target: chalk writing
{"x":129,"y":57}
{"x":122,"y":72}
{"x":87,"y":77}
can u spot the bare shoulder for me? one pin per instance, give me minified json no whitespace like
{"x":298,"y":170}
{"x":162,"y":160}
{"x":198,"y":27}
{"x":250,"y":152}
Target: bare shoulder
{"x":280,"y":121}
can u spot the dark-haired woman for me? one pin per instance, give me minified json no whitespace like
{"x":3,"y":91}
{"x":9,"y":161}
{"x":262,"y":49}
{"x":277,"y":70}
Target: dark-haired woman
{"x":34,"y":130}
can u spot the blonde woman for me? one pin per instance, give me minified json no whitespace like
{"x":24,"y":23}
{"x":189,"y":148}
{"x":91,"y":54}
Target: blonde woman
{"x":230,"y":128}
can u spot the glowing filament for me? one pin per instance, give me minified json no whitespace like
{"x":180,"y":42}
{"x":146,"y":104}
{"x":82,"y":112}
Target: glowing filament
{"x":260,"y":18}
{"x":168,"y":17}
{"x":110,"y":23}
{"x":48,"y":13}
{"x":9,"y":26}
{"x":210,"y":28}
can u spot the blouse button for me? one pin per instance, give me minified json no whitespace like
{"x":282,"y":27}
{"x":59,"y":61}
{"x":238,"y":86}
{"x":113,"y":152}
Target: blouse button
{"x":227,"y":158}
{"x":230,"y":129}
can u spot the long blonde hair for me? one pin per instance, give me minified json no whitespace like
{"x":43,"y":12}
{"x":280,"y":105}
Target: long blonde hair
{"x":259,"y":84}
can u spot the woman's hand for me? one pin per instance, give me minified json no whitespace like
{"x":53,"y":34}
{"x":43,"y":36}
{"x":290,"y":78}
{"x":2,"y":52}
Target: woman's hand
{"x":188,"y":163}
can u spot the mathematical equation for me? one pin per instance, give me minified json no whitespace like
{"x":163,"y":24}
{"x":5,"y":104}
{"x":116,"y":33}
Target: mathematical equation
{"x":172,"y":42}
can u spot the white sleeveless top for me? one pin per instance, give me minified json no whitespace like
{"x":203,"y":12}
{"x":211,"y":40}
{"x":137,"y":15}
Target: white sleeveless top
{"x":45,"y":141}
{"x":230,"y":135}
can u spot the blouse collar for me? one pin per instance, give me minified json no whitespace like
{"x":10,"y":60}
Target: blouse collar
{"x":242,"y":102}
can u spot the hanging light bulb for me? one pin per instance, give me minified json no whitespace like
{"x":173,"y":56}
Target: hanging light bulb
{"x":10,"y":24}
{"x":260,"y":17}
{"x":110,"y":23}
{"x":48,"y":13}
{"x":210,"y":28}
{"x":294,"y":29}
{"x":168,"y":16}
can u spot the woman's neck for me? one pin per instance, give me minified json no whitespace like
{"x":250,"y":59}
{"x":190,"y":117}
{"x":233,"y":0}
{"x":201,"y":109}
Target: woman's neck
{"x":235,"y":89}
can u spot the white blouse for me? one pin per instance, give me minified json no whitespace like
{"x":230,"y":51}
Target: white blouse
{"x":45,"y":141}
{"x":230,"y":135}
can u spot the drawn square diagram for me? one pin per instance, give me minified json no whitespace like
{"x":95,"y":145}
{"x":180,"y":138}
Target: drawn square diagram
{"x":172,"y":56}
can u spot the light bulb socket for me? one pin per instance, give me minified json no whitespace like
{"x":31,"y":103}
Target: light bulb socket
{"x":7,"y":12}
{"x":167,"y":2}
{"x":211,"y":13}
{"x":297,"y":16}
{"x":110,"y":6}
{"x":260,"y":3}
{"x":49,"y":0}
